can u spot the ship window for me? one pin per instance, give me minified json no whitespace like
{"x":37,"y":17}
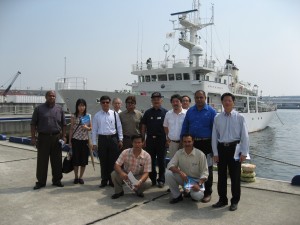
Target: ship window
{"x":153,"y":78}
{"x":142,"y":78}
{"x":225,"y":81}
{"x":178,"y":76}
{"x":171,"y":77}
{"x":162,"y":77}
{"x":197,"y":76}
{"x":147,"y":78}
{"x":207,"y":78}
{"x":216,"y":80}
{"x":186,"y":76}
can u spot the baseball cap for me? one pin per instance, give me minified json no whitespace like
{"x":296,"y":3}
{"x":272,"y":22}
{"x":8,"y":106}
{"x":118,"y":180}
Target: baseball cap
{"x":156,"y":95}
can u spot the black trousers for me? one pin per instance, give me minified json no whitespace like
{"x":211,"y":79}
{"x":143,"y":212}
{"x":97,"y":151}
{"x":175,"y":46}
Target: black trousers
{"x":48,"y":145}
{"x":205,"y":147}
{"x":226,"y":159}
{"x":108,"y":152}
{"x":156,"y":147}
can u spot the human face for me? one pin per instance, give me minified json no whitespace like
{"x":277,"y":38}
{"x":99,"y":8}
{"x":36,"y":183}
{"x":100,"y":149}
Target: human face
{"x":188,"y":142}
{"x":137,"y":143}
{"x":185,"y":103}
{"x":130,"y":105}
{"x":117,"y":105}
{"x":105,"y":105}
{"x":176,"y":104}
{"x":200,"y":99}
{"x":228,"y":104}
{"x":50,"y":98}
{"x":81,"y":108}
{"x":156,"y":102}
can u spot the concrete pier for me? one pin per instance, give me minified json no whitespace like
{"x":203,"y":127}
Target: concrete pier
{"x":263,"y":202}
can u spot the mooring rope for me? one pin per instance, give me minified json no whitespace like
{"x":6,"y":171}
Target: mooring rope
{"x":275,"y":160}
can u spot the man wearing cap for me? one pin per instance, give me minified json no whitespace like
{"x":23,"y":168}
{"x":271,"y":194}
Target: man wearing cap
{"x":198,"y":122}
{"x":152,"y":125}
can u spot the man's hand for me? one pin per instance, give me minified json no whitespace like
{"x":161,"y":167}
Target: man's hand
{"x":138,"y":185}
{"x":183,"y":176}
{"x":216,"y":159}
{"x":242,"y":158}
{"x":124,"y":176}
{"x":120,"y":144}
{"x":196,"y":187}
{"x":95,"y":148}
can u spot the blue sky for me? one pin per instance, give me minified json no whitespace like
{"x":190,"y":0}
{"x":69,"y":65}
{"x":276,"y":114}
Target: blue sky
{"x":100,"y":39}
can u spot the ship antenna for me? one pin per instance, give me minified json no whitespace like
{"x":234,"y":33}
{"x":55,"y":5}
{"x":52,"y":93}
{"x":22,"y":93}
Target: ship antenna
{"x":142,"y":49}
{"x":211,"y":35}
{"x":65,"y":75}
{"x":137,"y":46}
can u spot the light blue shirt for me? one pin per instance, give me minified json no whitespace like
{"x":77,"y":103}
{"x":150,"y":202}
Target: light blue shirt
{"x":229,"y":128}
{"x":104,"y":124}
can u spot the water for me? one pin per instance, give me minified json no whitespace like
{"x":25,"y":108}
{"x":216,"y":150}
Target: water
{"x":280,"y":142}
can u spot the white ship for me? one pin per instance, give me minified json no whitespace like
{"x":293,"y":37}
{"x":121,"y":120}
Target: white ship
{"x":185,"y":76}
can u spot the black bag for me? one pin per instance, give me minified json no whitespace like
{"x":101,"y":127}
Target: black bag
{"x":67,"y":164}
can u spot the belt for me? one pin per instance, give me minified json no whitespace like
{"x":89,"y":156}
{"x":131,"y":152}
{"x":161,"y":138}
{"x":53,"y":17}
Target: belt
{"x":49,"y":134}
{"x":108,"y":136}
{"x":202,"y":139}
{"x":226,"y":144}
{"x":176,"y":141}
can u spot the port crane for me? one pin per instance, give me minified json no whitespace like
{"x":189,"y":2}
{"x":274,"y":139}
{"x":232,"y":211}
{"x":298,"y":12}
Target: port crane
{"x":11,"y":83}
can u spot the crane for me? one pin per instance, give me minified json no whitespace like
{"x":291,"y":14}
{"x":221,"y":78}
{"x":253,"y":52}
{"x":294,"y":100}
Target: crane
{"x":11,"y":83}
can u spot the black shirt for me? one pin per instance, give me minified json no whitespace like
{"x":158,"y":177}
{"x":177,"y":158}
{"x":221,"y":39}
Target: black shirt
{"x":154,"y":119}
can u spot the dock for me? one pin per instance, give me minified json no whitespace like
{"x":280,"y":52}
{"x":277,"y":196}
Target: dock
{"x":263,"y":202}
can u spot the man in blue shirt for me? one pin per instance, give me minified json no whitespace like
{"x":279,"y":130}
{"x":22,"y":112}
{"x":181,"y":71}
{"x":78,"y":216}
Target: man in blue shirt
{"x":198,"y":122}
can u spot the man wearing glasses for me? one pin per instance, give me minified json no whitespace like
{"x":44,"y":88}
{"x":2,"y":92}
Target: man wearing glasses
{"x":130,"y":119}
{"x":107,"y":126}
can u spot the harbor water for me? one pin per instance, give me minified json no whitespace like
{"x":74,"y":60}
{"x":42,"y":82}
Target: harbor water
{"x":273,"y":149}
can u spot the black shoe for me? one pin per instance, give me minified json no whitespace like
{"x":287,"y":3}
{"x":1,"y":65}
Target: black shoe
{"x":233,"y":207}
{"x":160,"y":184}
{"x":141,"y":195}
{"x":76,"y":181}
{"x":80,"y":181}
{"x":103,"y":184}
{"x":153,"y":183}
{"x":168,"y":190}
{"x":219,"y":204}
{"x":110,"y":183}
{"x":175,"y":200}
{"x":38,"y":186}
{"x":186,"y":194}
{"x":58,"y":184}
{"x":117,"y":195}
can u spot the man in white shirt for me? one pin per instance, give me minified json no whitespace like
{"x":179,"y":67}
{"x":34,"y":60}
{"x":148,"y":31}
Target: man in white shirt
{"x":229,"y":131}
{"x":117,"y":104}
{"x":188,"y":162}
{"x":107,"y":126}
{"x":173,"y":124}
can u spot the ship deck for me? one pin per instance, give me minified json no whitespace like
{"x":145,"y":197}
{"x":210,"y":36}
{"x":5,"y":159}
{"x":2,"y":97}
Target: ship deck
{"x":262,"y":202}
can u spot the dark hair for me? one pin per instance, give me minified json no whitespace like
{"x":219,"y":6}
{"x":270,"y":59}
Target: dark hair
{"x":48,"y":92}
{"x":78,"y":102}
{"x":188,"y":135}
{"x":200,"y":91}
{"x":176,"y":96}
{"x":105,"y":97}
{"x":138,"y":136}
{"x":185,"y":96}
{"x":228,"y":94}
{"x":130,"y":98}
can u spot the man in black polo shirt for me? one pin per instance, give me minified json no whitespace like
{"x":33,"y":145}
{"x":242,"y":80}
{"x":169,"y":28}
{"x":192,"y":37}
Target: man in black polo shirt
{"x":48,"y":119}
{"x":152,"y":125}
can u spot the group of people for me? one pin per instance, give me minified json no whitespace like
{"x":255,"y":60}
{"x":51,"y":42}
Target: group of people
{"x":129,"y":141}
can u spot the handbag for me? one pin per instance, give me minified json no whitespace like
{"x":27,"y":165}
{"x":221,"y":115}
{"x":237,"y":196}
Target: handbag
{"x":67,"y":166}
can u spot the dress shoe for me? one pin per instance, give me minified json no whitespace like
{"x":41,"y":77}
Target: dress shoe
{"x":206,"y":199}
{"x":153,"y":183}
{"x":38,"y":186}
{"x":139,"y":194}
{"x":76,"y":181}
{"x":175,"y":200}
{"x":80,"y":181}
{"x":58,"y":184}
{"x":219,"y":204}
{"x":117,"y":195}
{"x":160,"y":184}
{"x":233,"y":207}
{"x":103,"y":184}
{"x":186,"y":194}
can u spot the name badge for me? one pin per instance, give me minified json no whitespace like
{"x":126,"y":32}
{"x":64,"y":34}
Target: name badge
{"x":159,"y":118}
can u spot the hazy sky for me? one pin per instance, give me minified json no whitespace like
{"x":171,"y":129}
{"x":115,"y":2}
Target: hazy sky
{"x":102,"y":39}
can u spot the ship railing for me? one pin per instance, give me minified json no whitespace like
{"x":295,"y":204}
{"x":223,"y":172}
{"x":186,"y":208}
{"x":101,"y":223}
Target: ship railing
{"x":66,"y":83}
{"x":16,"y":110}
{"x":179,"y":63}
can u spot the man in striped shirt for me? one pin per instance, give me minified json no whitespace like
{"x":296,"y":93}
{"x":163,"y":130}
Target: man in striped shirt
{"x":134,"y":160}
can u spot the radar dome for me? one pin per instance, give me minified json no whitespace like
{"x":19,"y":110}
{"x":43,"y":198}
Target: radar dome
{"x":197,"y":50}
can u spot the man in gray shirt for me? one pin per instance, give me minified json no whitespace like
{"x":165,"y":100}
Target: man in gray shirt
{"x":48,"y":120}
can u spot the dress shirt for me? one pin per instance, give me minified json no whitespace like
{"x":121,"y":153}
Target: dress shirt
{"x":193,"y":165}
{"x":199,"y":123}
{"x":173,"y":122}
{"x":137,"y":165}
{"x":229,"y":128}
{"x":131,"y":122}
{"x":154,"y":119}
{"x":104,"y":124}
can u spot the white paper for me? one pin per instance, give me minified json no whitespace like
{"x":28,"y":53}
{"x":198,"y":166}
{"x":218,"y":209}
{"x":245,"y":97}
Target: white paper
{"x":131,"y":181}
{"x":238,"y":152}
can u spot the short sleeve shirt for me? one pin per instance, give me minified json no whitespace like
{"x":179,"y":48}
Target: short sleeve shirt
{"x":154,"y":119}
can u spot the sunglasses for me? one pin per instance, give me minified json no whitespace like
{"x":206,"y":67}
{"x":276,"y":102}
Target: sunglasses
{"x":130,"y":103}
{"x":104,"y":103}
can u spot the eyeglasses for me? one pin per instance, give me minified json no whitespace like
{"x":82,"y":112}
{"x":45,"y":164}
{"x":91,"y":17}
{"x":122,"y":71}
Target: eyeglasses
{"x":104,"y":103}
{"x":130,"y":103}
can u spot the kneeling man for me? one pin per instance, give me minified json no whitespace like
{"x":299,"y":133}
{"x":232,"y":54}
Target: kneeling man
{"x":188,"y":162}
{"x":134,"y":160}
